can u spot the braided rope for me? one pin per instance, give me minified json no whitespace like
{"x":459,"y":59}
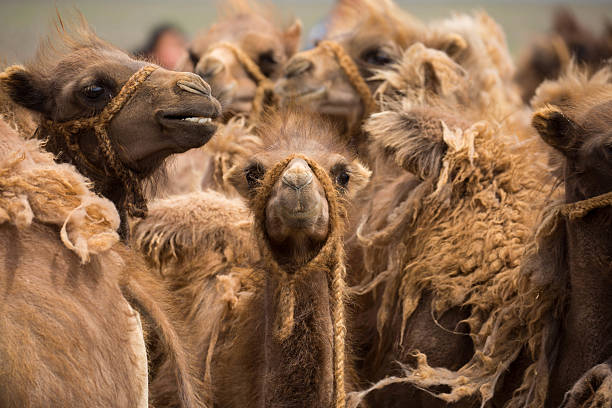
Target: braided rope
{"x":352,"y":72}
{"x":330,"y":257}
{"x":134,"y":201}
{"x":581,"y":208}
{"x":264,"y":93}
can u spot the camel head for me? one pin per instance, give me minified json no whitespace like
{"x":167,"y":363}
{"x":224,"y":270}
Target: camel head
{"x":247,"y":33}
{"x":292,"y":179}
{"x":372,"y":34}
{"x":115,"y":118}
{"x":578,"y":126}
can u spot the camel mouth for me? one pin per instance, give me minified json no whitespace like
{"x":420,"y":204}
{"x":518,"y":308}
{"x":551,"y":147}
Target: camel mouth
{"x":189,"y":129}
{"x":305,"y":95}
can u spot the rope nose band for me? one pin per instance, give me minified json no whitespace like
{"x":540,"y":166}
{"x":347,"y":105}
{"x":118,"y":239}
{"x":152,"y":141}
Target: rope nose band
{"x":264,"y":92}
{"x":134,"y":201}
{"x":330,"y":257}
{"x":352,"y":72}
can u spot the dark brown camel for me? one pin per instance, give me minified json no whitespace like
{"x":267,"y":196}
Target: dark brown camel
{"x":276,"y":335}
{"x":580,"y":350}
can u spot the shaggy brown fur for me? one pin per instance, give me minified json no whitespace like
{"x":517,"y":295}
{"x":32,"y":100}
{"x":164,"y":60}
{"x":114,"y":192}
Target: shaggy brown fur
{"x":549,"y":56}
{"x":563,"y":308}
{"x":447,"y":256}
{"x":216,"y":268}
{"x":77,"y":76}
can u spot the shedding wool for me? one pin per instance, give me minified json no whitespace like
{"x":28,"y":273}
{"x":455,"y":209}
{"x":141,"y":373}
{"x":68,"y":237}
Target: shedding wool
{"x":460,"y":235}
{"x":33,"y":186}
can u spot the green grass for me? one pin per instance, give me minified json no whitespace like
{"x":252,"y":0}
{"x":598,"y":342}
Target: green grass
{"x":127,"y":22}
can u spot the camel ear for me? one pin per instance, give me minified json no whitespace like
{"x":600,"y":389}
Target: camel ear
{"x":24,"y":88}
{"x":452,"y":44}
{"x":556,"y":129}
{"x":411,"y":139}
{"x":246,"y":179}
{"x":292,"y":37}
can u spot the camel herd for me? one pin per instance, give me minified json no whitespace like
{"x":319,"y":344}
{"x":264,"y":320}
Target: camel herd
{"x":396,"y":217}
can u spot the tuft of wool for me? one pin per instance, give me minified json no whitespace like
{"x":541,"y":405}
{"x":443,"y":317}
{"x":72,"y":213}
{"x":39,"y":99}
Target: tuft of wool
{"x":33,"y":186}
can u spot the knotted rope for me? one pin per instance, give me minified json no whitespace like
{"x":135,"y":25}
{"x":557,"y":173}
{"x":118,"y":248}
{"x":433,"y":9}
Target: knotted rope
{"x":330,"y":258}
{"x":264,"y":93}
{"x":352,"y":72}
{"x":133,"y":201}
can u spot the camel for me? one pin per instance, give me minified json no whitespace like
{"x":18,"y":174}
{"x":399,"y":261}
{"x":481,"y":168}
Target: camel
{"x":445,"y":253}
{"x":362,"y":36}
{"x":114,"y":117}
{"x":242,"y":54}
{"x":268,"y":275}
{"x":549,"y":56}
{"x":103,"y":100}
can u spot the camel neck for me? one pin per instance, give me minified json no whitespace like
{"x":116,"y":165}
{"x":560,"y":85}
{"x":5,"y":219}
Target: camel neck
{"x":299,"y":369}
{"x":587,"y":323}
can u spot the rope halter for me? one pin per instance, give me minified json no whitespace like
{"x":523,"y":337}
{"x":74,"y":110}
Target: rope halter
{"x":134,"y":200}
{"x":581,"y":208}
{"x":264,"y":92}
{"x":330,"y":257}
{"x":352,"y":72}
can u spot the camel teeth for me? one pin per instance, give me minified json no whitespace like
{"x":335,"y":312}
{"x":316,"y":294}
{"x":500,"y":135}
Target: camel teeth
{"x":199,"y":120}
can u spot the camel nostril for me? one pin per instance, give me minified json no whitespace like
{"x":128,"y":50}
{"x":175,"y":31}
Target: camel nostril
{"x":298,"y":174}
{"x":195,"y":85}
{"x":298,"y":66}
{"x":209,"y":68}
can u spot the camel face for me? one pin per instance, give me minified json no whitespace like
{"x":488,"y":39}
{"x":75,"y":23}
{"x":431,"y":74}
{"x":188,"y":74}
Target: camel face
{"x":213,"y":56}
{"x":585,"y":139}
{"x":316,"y":79}
{"x":372,"y":34}
{"x":297,"y":208}
{"x":169,"y":112}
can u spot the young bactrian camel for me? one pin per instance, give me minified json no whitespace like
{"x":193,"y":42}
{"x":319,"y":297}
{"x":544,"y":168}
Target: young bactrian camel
{"x":362,"y":36}
{"x":574,"y":253}
{"x":447,"y":255}
{"x":271,"y":333}
{"x":116,"y":119}
{"x":242,"y":53}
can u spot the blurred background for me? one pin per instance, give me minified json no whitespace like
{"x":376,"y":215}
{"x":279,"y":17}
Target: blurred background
{"x":129,"y":23}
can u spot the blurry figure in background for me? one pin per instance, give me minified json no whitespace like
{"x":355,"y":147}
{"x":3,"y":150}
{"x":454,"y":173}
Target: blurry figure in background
{"x":165,"y":45}
{"x":568,"y":40}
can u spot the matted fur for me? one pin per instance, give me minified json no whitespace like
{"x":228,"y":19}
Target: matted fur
{"x":34,"y":187}
{"x":69,"y":338}
{"x":459,"y":235}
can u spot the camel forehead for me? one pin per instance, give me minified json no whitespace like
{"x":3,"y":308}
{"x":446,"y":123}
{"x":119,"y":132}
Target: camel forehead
{"x":108,"y":61}
{"x":235,"y":30}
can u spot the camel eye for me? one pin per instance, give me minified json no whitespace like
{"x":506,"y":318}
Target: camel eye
{"x":93,"y":92}
{"x":193,"y":57}
{"x":343,"y":178}
{"x":377,"y":56}
{"x":254,"y":174}
{"x":267,"y":63}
